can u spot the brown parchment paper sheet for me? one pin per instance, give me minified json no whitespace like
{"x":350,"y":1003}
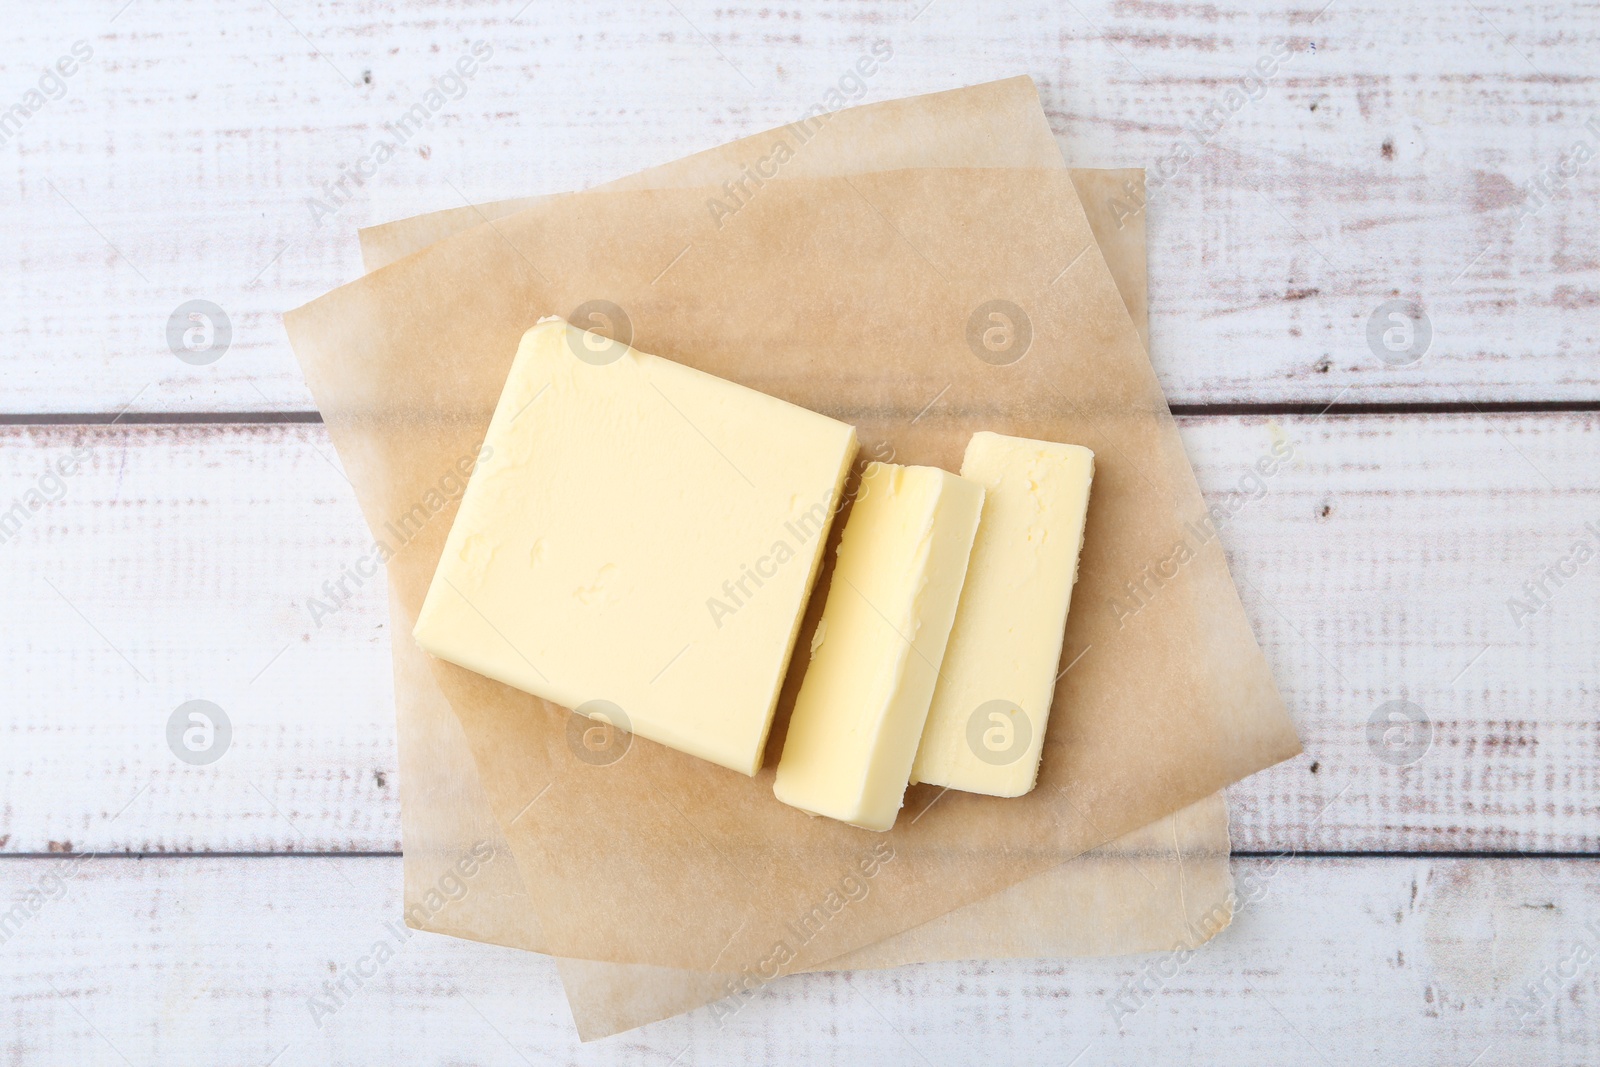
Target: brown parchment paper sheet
{"x":842,"y":249}
{"x":851,"y":296}
{"x":1100,"y":904}
{"x":1163,"y":886}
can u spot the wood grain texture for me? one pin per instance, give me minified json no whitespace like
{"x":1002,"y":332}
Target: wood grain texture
{"x":1386,"y":158}
{"x":1376,"y":564}
{"x":1332,"y":961}
{"x":1389,"y":158}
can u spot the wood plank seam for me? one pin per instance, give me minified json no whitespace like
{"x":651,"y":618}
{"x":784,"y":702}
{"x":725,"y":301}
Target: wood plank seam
{"x":1220,"y":410}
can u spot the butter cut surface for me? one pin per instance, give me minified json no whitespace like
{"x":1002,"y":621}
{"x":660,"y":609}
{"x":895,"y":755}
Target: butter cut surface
{"x":639,"y":533}
{"x":985,"y":730}
{"x":860,"y":710}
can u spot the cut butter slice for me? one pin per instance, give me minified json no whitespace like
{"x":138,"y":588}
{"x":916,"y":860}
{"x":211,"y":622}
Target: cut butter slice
{"x":985,"y":730}
{"x":861,"y":707}
{"x":639,"y":539}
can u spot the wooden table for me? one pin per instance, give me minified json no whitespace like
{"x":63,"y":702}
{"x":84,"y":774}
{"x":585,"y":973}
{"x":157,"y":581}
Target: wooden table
{"x":178,"y":913}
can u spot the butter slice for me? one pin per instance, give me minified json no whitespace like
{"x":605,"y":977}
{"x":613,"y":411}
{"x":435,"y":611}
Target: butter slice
{"x":640,"y":533}
{"x":860,"y":710}
{"x":986,"y":728}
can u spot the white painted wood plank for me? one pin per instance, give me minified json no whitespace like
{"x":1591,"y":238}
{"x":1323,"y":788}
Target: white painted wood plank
{"x":213,"y":960}
{"x":1376,"y":566}
{"x":1380,"y":567}
{"x":176,"y":566}
{"x":179,"y":161}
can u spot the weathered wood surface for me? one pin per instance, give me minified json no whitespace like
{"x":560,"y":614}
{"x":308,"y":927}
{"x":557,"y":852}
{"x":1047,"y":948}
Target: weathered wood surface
{"x":1331,"y":961}
{"x":1386,"y":158}
{"x":1377,"y":565}
{"x":1389,"y":158}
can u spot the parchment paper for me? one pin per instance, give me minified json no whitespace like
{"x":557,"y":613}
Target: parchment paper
{"x":1258,"y":737}
{"x":1161,"y":887}
{"x":998,"y":123}
{"x":1164,"y":886}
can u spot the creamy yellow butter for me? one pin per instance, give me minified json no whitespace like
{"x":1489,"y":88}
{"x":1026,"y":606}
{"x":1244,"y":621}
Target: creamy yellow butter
{"x":985,"y":730}
{"x":860,"y":710}
{"x":641,"y":534}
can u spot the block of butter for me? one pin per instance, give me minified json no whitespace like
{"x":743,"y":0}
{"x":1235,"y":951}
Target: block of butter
{"x":641,"y":538}
{"x":986,"y":726}
{"x":875,"y":657}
